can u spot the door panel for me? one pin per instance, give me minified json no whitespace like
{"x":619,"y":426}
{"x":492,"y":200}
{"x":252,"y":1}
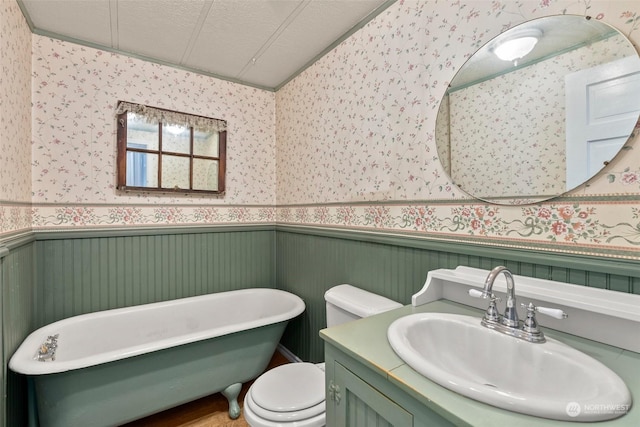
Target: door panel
{"x":602,"y":107}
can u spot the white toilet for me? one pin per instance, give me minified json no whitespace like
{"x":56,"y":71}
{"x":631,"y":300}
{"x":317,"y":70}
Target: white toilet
{"x":293,"y":395}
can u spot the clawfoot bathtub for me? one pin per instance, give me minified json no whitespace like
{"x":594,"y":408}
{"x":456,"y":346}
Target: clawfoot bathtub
{"x":114,"y":366}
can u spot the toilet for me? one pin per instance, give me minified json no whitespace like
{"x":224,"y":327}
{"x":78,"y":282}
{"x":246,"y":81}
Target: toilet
{"x":293,"y":395}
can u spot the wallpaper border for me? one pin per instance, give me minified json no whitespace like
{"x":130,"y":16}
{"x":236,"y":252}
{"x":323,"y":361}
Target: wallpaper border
{"x":572,"y":225}
{"x":558,"y":226}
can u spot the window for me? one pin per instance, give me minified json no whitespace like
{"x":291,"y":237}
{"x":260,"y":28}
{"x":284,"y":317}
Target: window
{"x":169,"y":151}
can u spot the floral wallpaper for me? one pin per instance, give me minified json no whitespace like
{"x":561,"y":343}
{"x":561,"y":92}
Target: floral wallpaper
{"x":15,"y":119}
{"x":75,"y":92}
{"x":356,"y":146}
{"x":352,"y":138}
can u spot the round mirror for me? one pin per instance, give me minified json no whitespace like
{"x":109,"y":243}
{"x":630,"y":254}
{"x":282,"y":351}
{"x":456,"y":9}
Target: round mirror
{"x":539,"y":110}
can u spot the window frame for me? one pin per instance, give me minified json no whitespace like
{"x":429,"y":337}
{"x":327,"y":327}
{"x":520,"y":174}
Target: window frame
{"x":123,"y":149}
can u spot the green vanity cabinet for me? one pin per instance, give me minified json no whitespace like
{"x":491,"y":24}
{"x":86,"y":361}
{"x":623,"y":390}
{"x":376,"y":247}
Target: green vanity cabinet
{"x":367,"y":384}
{"x":358,"y":397}
{"x":355,"y":403}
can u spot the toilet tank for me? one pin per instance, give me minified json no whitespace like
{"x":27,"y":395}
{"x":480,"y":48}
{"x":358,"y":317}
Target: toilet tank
{"x":346,"y":303}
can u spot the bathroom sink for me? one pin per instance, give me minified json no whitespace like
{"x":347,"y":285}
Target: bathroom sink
{"x":549,"y":380}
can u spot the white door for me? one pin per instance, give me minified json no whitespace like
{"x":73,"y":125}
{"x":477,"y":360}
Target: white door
{"x":602,"y":106}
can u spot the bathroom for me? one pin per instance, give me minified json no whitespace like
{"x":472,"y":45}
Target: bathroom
{"x":334,"y":178}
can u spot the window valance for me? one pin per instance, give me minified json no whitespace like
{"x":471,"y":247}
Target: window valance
{"x":155,"y":115}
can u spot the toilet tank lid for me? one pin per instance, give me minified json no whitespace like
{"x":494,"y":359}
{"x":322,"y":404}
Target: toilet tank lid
{"x":358,"y":301}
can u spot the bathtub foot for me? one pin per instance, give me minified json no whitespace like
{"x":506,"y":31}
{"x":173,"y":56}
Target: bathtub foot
{"x":231,"y":393}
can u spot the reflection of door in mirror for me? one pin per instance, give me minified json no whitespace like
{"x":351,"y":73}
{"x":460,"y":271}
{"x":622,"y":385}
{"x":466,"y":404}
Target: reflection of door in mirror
{"x":602,"y":110}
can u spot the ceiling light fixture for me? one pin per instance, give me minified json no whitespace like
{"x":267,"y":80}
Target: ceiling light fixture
{"x":516,"y":45}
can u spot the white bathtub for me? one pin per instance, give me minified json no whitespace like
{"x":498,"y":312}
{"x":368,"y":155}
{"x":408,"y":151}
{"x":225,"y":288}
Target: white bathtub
{"x":114,"y":366}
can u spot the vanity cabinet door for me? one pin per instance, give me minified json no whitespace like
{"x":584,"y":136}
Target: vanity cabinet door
{"x":358,"y":404}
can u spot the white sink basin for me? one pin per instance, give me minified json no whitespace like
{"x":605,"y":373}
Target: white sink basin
{"x":549,"y":380}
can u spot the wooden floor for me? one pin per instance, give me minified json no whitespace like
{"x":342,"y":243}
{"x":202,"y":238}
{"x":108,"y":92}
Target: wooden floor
{"x":210,"y":411}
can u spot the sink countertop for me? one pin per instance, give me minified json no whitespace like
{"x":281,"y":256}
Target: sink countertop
{"x":366,"y":341}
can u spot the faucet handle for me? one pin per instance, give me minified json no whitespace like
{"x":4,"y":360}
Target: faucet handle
{"x":482,"y":294}
{"x":476,"y":293}
{"x":553,"y":312}
{"x":492,"y":314}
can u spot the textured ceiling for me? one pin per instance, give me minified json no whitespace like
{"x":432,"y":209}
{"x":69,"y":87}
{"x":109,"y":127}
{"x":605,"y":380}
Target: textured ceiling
{"x":262,"y":43}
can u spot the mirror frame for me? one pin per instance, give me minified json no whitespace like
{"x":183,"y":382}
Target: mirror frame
{"x":124,"y":148}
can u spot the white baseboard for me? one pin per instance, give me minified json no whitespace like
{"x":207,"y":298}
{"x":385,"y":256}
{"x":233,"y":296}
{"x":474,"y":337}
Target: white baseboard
{"x":288,"y":354}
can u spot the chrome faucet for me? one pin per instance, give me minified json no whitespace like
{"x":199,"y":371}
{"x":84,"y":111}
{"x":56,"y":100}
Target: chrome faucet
{"x":510,"y":317}
{"x":509,"y":323}
{"x":47,"y":350}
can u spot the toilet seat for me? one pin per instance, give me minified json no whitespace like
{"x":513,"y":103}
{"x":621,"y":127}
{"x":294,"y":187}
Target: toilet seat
{"x":259,"y":417}
{"x":289,"y":395}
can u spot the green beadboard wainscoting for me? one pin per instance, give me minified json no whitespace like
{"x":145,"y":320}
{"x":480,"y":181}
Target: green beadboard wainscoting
{"x":47,"y":276}
{"x":88,"y":272}
{"x":311,"y":260}
{"x":17,"y":285}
